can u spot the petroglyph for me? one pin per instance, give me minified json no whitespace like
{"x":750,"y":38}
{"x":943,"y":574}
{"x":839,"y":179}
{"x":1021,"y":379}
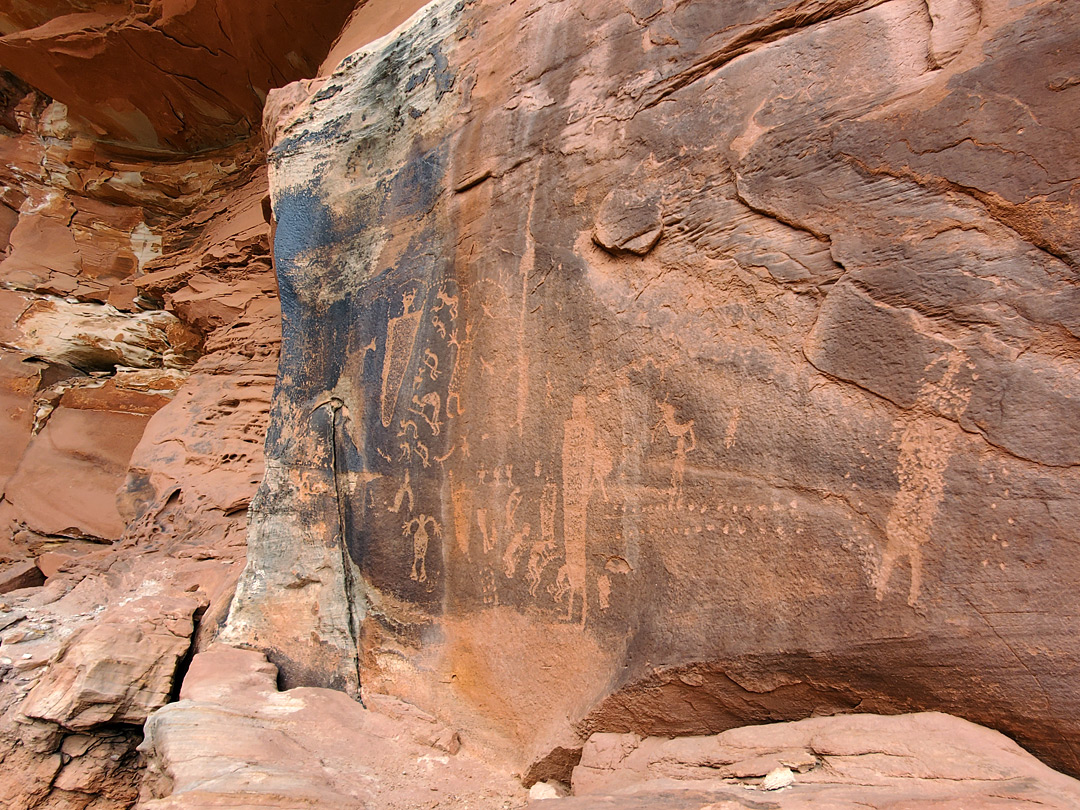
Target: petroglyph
{"x":926,"y":444}
{"x":510,"y":556}
{"x":431,"y":363}
{"x":733,"y":425}
{"x":446,"y":301}
{"x":422,"y":453}
{"x":513,"y":501}
{"x":400,"y":338}
{"x":462,"y":498}
{"x":489,"y":588}
{"x":429,"y":400}
{"x":418,"y":528}
{"x":407,"y":449}
{"x":685,"y":442}
{"x":449,"y":304}
{"x":404,"y":491}
{"x":583,"y":463}
{"x":603,"y":589}
{"x":543,"y":551}
{"x":490,"y":533}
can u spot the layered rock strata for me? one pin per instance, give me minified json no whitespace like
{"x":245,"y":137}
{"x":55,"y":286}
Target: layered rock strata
{"x":908,"y":761}
{"x":138,"y":347}
{"x":685,"y":366}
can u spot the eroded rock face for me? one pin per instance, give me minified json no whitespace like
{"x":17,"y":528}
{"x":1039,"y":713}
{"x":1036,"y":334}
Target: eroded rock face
{"x":170,"y":75}
{"x":121,"y":669}
{"x":138,"y":346}
{"x":686,"y":366}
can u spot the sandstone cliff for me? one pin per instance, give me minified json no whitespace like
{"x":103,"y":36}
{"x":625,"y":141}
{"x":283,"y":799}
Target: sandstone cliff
{"x":648,"y":369}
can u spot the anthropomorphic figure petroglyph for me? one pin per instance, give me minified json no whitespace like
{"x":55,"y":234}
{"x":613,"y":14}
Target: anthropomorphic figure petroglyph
{"x":510,"y":556}
{"x":685,"y":442}
{"x":401,"y":333}
{"x":543,"y":551}
{"x":578,"y":457}
{"x":418,"y":528}
{"x":926,"y":444}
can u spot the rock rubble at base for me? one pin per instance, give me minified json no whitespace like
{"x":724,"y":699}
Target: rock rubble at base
{"x":233,"y":740}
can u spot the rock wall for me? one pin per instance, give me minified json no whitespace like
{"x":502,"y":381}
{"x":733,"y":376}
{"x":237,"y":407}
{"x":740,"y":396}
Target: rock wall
{"x":139,"y":332}
{"x":685,"y":366}
{"x":648,"y":369}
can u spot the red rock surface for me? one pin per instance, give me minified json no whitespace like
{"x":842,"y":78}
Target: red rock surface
{"x":908,"y":761}
{"x":233,"y":740}
{"x":650,"y":368}
{"x":171,"y":75}
{"x":685,"y":366}
{"x":138,"y":344}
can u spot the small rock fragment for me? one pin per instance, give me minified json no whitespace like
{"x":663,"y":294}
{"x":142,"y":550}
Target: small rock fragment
{"x":628,"y":222}
{"x":546,"y":790}
{"x":778,"y":778}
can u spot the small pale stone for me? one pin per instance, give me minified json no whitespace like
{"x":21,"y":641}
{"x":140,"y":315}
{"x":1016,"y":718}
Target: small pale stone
{"x":778,"y":778}
{"x":544,"y":790}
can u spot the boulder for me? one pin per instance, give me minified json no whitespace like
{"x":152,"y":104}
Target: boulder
{"x":120,"y":669}
{"x":234,"y":740}
{"x":911,"y":761}
{"x":18,"y":575}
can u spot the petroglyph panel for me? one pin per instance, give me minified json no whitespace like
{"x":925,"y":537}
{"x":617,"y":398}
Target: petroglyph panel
{"x":822,"y":428}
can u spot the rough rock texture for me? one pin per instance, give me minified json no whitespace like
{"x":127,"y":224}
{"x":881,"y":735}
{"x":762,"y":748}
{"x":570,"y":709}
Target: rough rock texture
{"x":908,"y":761}
{"x":685,"y":366}
{"x":119,"y":670}
{"x":139,"y":334}
{"x":650,"y":368}
{"x":170,"y":75}
{"x":84,"y":660}
{"x":233,"y":740}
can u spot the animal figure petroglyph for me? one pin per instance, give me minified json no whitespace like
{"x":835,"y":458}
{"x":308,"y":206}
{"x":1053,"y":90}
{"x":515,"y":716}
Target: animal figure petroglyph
{"x":429,"y":400}
{"x":447,"y":301}
{"x":418,"y":528}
